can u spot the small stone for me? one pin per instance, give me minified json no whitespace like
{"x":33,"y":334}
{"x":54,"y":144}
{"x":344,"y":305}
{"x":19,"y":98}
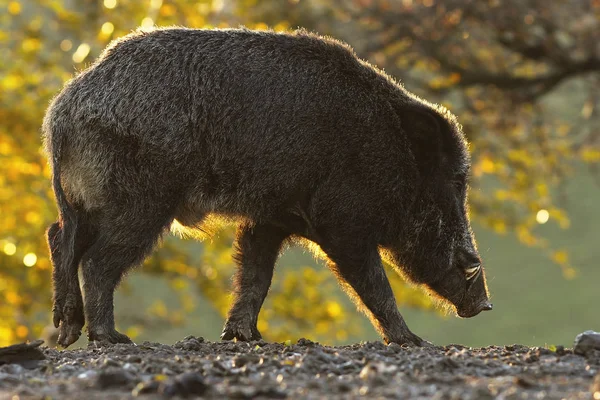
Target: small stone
{"x":88,"y":374}
{"x":191,"y":337}
{"x":130,"y":367}
{"x":109,"y":362}
{"x":586,"y":341}
{"x":244,"y":392}
{"x":8,"y":380}
{"x":394,"y":346}
{"x":374,"y":372}
{"x":189,"y":383}
{"x":243,"y":359}
{"x":113,"y":377}
{"x":448,"y":363}
{"x":344,"y":387}
{"x":525,"y":382}
{"x":190,"y":343}
{"x":13,"y":369}
{"x":531,"y":357}
{"x":66,"y":368}
{"x":305,"y":342}
{"x":133,"y":359}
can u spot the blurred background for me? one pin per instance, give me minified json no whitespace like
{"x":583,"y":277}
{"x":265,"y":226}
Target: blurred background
{"x":523,"y":76}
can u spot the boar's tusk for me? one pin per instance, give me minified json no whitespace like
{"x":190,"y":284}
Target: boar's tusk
{"x":471,"y":272}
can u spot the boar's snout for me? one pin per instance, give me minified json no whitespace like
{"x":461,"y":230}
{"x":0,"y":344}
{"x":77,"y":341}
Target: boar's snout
{"x":476,"y":299}
{"x":473,"y":311}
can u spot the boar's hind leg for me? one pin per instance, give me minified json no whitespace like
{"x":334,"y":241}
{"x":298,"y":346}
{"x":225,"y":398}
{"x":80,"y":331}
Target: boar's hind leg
{"x":257,"y":248}
{"x":67,"y":306}
{"x":121,"y":244}
{"x":361,"y":274}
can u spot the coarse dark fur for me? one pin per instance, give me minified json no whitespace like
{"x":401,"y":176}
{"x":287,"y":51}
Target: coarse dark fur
{"x":292,"y":135}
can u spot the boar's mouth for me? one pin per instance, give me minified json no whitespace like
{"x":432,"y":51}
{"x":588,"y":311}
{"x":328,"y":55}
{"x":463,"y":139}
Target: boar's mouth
{"x":469,"y":312}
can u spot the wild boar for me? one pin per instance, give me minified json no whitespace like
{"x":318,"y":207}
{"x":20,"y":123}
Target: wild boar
{"x":289,"y":133}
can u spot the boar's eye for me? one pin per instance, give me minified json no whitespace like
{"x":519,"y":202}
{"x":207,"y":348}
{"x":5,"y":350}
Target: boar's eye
{"x":470,"y":273}
{"x":458,"y":185}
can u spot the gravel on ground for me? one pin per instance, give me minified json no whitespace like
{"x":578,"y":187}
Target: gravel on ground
{"x":193,"y":368}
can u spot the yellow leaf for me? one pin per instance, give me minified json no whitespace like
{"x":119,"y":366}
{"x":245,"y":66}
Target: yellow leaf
{"x":133,"y":331}
{"x":487,"y":166}
{"x":12,"y":82}
{"x":12,"y":297}
{"x":499,"y":226}
{"x":22,"y":331}
{"x":560,"y":257}
{"x":14,"y":8}
{"x":590,"y":155}
{"x":334,"y":309}
{"x":168,"y":10}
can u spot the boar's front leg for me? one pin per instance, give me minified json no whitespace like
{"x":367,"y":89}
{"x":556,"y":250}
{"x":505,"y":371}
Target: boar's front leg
{"x":257,"y":248}
{"x":361,"y":274}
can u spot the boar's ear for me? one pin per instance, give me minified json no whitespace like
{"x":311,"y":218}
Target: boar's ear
{"x":423,"y":129}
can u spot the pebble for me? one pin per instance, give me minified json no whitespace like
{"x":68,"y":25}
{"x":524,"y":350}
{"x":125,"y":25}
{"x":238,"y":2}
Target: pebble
{"x":8,"y":379}
{"x":88,"y":374}
{"x":305,"y":342}
{"x":113,"y":377}
{"x":133,"y":359}
{"x":586,"y":341}
{"x":189,"y":383}
{"x":109,"y":362}
{"x":14,"y":369}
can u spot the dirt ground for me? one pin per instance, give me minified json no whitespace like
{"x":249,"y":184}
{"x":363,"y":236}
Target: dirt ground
{"x":259,"y":370}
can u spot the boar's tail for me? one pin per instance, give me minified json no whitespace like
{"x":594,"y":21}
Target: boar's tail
{"x":68,"y":215}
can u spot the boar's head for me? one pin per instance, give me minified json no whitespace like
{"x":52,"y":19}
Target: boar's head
{"x":437,"y":247}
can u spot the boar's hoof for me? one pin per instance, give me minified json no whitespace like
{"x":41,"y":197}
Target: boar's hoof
{"x":240,"y":330}
{"x":69,"y":318}
{"x":410,"y":339}
{"x":107,"y":338}
{"x":68,"y":334}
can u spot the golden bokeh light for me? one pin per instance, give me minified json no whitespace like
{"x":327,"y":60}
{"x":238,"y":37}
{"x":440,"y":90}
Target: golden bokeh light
{"x":147,"y":23}
{"x":81,"y":53}
{"x":66,"y":45}
{"x":107,"y":28}
{"x":9,"y":249}
{"x":30,"y":259}
{"x":542,"y":216}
